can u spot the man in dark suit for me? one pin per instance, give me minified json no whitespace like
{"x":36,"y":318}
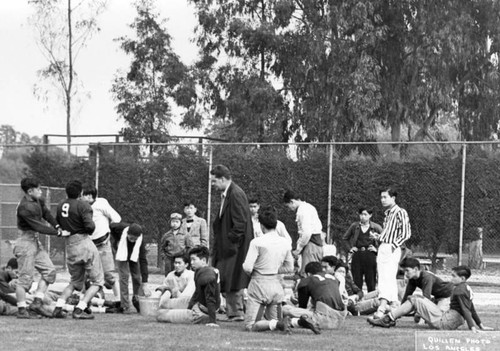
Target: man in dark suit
{"x":232,"y":235}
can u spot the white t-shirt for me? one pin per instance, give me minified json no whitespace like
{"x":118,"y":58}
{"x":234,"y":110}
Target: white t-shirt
{"x":103,"y":214}
{"x":308,"y":223}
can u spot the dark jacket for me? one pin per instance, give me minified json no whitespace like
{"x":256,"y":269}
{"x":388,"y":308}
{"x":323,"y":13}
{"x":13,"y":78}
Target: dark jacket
{"x":30,"y":213}
{"x":320,"y":287}
{"x":461,"y":301}
{"x":233,"y":232}
{"x":5,"y":278}
{"x":352,"y":234}
{"x":207,"y":291}
{"x":430,"y":284}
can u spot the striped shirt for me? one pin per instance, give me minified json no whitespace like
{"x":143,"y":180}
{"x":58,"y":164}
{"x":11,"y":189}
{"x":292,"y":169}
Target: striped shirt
{"x":396,"y":227}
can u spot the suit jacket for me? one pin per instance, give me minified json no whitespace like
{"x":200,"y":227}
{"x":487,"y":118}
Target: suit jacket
{"x":233,"y":232}
{"x":352,"y":234}
{"x":198,"y":231}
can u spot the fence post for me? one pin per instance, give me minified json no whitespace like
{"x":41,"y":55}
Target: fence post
{"x":97,"y":157}
{"x":48,"y":204}
{"x":329,"y":207}
{"x":209,"y":201}
{"x":462,"y":201}
{"x":45,"y":141}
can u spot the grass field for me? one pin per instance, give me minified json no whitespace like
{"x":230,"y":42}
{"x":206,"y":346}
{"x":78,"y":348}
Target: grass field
{"x":135,"y":332}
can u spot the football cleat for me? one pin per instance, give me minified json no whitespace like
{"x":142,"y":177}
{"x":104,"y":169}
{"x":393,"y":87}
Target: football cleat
{"x":307,"y":322}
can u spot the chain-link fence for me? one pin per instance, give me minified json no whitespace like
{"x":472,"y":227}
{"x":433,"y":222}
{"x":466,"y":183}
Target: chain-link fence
{"x":450,"y":190}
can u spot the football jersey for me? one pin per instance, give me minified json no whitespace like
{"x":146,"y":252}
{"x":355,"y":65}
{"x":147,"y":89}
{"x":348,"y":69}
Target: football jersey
{"x":75,"y":216}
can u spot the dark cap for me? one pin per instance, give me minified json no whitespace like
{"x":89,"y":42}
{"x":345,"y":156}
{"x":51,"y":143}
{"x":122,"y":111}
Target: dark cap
{"x":12,"y":263}
{"x":135,"y":229}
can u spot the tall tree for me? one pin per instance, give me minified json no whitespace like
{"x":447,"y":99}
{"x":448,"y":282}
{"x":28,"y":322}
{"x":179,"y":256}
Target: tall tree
{"x":476,"y":71}
{"x":63,"y":28}
{"x":314,"y":55}
{"x":327,"y":64}
{"x":237,"y":40}
{"x":342,"y":65}
{"x":433,"y":59}
{"x":156,"y":78}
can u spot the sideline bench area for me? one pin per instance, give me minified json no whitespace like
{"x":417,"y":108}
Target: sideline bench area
{"x":426,"y":261}
{"x":492,"y":260}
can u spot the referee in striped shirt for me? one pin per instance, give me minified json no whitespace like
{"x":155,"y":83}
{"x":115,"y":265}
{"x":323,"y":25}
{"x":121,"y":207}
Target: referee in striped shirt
{"x":396,"y":231}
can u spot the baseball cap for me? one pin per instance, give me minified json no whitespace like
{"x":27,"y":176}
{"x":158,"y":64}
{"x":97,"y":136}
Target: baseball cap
{"x":176,"y":215}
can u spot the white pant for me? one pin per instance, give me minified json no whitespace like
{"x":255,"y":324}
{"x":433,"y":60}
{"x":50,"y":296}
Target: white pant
{"x":387,"y":269}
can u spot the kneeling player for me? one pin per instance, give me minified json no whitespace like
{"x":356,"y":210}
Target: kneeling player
{"x":268,"y":256}
{"x":203,"y":305}
{"x":461,"y":307}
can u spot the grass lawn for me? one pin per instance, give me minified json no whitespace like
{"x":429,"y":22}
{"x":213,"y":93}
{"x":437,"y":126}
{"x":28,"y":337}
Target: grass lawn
{"x":134,"y":332}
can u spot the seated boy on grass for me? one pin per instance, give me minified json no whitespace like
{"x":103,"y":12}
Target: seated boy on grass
{"x":206,"y":299}
{"x":178,"y":286}
{"x":461,"y":307}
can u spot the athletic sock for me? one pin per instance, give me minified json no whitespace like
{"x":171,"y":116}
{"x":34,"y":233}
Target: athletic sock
{"x":272,"y":324}
{"x":97,"y":301}
{"x":39,"y":295}
{"x":21,"y":304}
{"x":81,"y":305}
{"x":295,"y":322}
{"x":60,"y":303}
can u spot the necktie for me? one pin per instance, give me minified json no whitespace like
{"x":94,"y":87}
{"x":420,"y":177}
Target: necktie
{"x":222,"y":198}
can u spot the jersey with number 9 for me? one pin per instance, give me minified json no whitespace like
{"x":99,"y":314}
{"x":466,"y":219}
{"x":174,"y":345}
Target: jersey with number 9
{"x":75,"y":216}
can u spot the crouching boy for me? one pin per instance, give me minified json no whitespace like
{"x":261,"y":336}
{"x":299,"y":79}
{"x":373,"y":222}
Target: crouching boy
{"x":205,"y":301}
{"x":328,"y":309}
{"x":461,"y":307}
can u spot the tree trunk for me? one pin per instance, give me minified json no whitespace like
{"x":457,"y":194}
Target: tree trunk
{"x":70,"y":78}
{"x":396,"y":130}
{"x":68,"y":123}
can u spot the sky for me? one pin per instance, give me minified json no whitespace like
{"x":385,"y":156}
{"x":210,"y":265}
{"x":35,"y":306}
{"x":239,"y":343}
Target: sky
{"x":97,"y":65}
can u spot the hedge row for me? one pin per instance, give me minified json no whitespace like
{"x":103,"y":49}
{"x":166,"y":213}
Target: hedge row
{"x":147,"y":190}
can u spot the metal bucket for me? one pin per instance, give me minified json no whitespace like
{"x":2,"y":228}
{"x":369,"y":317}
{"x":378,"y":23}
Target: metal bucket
{"x":149,"y":306}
